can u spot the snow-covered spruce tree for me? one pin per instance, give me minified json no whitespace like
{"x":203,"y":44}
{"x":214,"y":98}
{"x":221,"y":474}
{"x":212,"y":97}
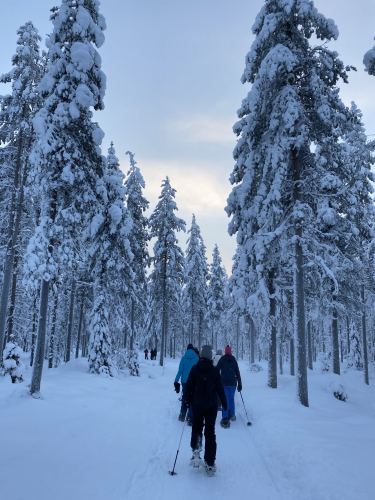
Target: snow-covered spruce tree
{"x":293,"y":103}
{"x":112,"y":258}
{"x":66,"y":157}
{"x":355,"y":358}
{"x":215,"y":295}
{"x":168,"y":259}
{"x":369,"y":61}
{"x":196,"y":279}
{"x":16,"y":113}
{"x":138,"y":237}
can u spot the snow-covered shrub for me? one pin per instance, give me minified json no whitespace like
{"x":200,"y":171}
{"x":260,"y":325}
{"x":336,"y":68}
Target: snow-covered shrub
{"x":324,"y":362}
{"x":133,"y":364}
{"x":12,"y":363}
{"x":255,"y":368}
{"x":120,"y":359}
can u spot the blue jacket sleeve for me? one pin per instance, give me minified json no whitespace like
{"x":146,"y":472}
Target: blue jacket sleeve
{"x":180,"y":370}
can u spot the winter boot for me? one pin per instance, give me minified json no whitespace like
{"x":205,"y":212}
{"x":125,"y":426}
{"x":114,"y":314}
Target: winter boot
{"x":181,"y":417}
{"x":209,"y":470}
{"x":196,"y":460}
{"x":225,"y":423}
{"x":233,"y":418}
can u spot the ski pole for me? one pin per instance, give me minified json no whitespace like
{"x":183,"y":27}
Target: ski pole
{"x":172,"y":472}
{"x":248,"y":421}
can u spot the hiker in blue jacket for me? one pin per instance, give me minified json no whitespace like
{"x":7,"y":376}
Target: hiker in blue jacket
{"x":188,"y":360}
{"x":231,"y":378}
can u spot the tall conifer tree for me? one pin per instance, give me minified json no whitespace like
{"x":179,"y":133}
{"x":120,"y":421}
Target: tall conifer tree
{"x":168,"y":259}
{"x":67,"y":157}
{"x":293,"y":104}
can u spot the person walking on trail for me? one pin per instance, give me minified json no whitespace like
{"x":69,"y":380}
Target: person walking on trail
{"x":202,"y":387}
{"x":231,"y":378}
{"x":219,"y":353}
{"x":188,"y":360}
{"x":146,"y":354}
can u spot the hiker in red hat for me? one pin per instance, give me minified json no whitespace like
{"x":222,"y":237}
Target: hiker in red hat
{"x":231,"y":378}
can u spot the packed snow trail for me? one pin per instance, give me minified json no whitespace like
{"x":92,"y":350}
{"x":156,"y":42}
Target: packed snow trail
{"x":103,"y":438}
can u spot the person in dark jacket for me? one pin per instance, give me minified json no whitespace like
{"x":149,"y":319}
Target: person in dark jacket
{"x":202,"y":387}
{"x":146,"y":354}
{"x":231,"y":378}
{"x":188,"y":360}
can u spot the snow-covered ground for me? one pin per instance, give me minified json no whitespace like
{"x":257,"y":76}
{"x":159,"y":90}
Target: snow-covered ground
{"x":100,"y":438}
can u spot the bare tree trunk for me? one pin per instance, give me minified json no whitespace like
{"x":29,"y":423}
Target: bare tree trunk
{"x":80,"y":323}
{"x":281,"y":358}
{"x":272,"y":352}
{"x":348,"y":333}
{"x":291,"y":356}
{"x":13,"y":230}
{"x":39,"y":352}
{"x":252,"y":341}
{"x":364,"y":338}
{"x":70,"y":321}
{"x":53,"y":330}
{"x":335,"y":343}
{"x":299,"y":296}
{"x":132,"y":324}
{"x":237,"y":335}
{"x":174,"y":344}
{"x":33,"y":335}
{"x":341,"y":351}
{"x":164,"y":313}
{"x":12,"y":297}
{"x":309,"y":345}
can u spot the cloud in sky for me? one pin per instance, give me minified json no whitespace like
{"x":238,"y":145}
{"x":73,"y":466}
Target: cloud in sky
{"x":200,"y":190}
{"x":205,"y":128}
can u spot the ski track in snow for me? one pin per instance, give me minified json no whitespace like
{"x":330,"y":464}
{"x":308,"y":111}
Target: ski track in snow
{"x":99,"y":438}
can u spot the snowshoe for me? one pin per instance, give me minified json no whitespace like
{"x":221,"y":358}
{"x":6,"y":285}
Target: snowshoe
{"x":190,"y":422}
{"x":196,"y":460}
{"x":181,"y":417}
{"x":233,"y":418}
{"x":225,"y":423}
{"x":209,"y":470}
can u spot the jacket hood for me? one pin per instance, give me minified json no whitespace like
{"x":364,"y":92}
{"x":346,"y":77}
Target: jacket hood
{"x":190,"y":354}
{"x":205,"y":364}
{"x":229,"y":357}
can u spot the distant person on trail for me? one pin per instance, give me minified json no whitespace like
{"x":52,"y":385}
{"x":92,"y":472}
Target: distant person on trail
{"x":196,"y":351}
{"x":146,"y":354}
{"x":230,"y":376}
{"x":202,"y":387}
{"x":188,"y":360}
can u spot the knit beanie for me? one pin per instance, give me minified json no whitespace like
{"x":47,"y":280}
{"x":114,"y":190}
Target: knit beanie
{"x":228,"y":350}
{"x":190,"y":346}
{"x":206,"y":352}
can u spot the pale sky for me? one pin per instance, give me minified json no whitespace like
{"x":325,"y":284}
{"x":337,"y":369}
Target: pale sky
{"x":173,"y":87}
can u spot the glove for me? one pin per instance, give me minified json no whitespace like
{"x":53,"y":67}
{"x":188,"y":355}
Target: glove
{"x":187,"y":404}
{"x":176,"y":387}
{"x":239,"y":388}
{"x":224,"y":404}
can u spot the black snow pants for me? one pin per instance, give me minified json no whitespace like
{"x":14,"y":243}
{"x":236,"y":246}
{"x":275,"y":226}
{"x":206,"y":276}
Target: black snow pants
{"x":209,"y":416}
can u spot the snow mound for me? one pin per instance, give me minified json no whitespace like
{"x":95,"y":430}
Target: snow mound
{"x":337,"y":387}
{"x":256,"y":368}
{"x":21,"y":391}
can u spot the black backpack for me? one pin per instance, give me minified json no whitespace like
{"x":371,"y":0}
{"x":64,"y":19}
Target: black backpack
{"x":204,"y":389}
{"x":228,"y":371}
